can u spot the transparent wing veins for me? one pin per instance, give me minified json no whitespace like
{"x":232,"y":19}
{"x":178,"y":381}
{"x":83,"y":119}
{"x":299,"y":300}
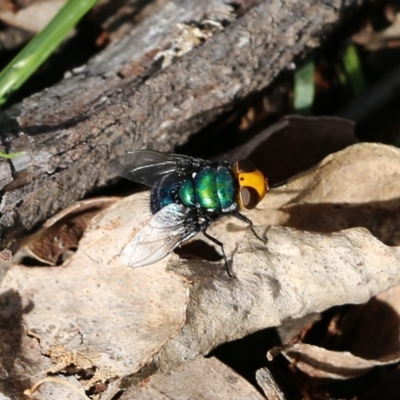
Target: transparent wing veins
{"x":149,"y":166}
{"x":166,"y":230}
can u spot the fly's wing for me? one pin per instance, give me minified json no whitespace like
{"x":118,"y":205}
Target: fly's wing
{"x":168,"y":228}
{"x":143,"y":166}
{"x":149,"y":166}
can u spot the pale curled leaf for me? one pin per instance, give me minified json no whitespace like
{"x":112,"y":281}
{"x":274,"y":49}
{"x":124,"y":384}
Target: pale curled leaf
{"x":201,"y":378}
{"x":293,"y":274}
{"x":62,"y":232}
{"x":127,"y":316}
{"x":321,"y":363}
{"x":351,"y":188}
{"x":363,"y":324}
{"x":377,"y":40}
{"x":269,"y":386}
{"x":297,"y":272}
{"x":294,"y":144}
{"x":96,"y":313}
{"x":20,"y":356}
{"x":6,"y":255}
{"x":52,"y":387}
{"x":386,"y":388}
{"x":35,"y":17}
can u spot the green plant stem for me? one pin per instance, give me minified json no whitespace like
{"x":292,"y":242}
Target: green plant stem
{"x":41,"y":46}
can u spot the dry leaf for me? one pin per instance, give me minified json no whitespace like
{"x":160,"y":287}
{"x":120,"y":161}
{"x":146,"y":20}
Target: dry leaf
{"x":95,"y":305}
{"x":199,"y":379}
{"x":55,"y":388}
{"x":6,"y":255}
{"x":127,"y":316}
{"x":20,"y":356}
{"x":295,"y":144}
{"x":321,"y":363}
{"x":34,"y":17}
{"x":363,"y":324}
{"x":268,"y":385}
{"x":61,"y":233}
{"x":373,"y":40}
{"x":387,"y":388}
{"x":298,"y":272}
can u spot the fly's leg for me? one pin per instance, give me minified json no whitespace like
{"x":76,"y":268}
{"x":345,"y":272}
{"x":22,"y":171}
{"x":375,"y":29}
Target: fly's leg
{"x":250,"y":222}
{"x":218,"y":243}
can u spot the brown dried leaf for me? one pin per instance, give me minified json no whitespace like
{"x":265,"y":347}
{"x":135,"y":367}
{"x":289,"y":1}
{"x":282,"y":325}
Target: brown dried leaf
{"x":310,"y":263}
{"x":387,"y":387}
{"x":7,"y":5}
{"x":62,"y":232}
{"x":6,"y":255}
{"x":128,"y":316}
{"x":352,"y":188}
{"x":373,"y":41}
{"x":199,"y":379}
{"x":54,"y":388}
{"x":268,"y":385}
{"x":34,"y":17}
{"x":295,"y":144}
{"x":293,"y":274}
{"x":363,"y":324}
{"x":20,"y":357}
{"x":321,"y":363}
{"x":95,"y":305}
{"x":85,"y":359}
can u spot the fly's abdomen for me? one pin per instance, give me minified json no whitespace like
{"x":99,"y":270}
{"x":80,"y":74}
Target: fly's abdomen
{"x":164,"y":194}
{"x":160,"y":198}
{"x":179,"y":190}
{"x":214,"y":188}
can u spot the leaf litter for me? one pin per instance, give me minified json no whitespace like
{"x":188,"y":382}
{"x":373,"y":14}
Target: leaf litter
{"x":328,"y":241}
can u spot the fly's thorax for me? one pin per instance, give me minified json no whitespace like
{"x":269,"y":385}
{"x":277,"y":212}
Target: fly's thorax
{"x":226,"y":188}
{"x":253,"y":185}
{"x":214,"y":188}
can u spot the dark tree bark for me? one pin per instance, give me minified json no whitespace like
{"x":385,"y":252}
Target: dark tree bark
{"x":123,"y":99}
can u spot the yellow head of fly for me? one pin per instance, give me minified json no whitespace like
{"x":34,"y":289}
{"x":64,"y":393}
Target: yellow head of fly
{"x":252,"y":184}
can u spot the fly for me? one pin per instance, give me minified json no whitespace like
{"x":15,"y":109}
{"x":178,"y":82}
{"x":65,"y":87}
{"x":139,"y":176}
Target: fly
{"x":187,"y":195}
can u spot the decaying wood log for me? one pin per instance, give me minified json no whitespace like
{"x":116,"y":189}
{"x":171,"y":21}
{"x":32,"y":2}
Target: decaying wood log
{"x":128,"y":97}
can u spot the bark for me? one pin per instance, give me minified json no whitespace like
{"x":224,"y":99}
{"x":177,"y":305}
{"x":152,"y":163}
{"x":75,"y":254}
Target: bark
{"x":125,"y":99}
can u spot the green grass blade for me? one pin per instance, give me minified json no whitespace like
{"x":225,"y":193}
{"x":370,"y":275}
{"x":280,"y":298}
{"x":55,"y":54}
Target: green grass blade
{"x":304,"y":88}
{"x":41,"y":46}
{"x":11,"y":156}
{"x":353,"y":70}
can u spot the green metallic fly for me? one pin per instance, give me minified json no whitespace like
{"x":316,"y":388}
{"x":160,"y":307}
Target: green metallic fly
{"x":188,"y":194}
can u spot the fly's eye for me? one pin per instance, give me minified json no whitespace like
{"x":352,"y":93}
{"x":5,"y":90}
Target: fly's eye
{"x":245,"y":166}
{"x":249,"y":197}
